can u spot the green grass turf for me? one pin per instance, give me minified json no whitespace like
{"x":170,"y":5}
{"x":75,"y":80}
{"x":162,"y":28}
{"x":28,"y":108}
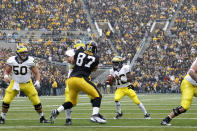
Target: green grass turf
{"x":21,"y":115}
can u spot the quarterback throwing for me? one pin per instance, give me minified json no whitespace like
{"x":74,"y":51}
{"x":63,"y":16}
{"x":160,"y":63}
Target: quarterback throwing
{"x":122,"y":76}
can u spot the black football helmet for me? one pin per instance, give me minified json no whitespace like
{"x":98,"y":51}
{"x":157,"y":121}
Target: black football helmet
{"x":92,"y":46}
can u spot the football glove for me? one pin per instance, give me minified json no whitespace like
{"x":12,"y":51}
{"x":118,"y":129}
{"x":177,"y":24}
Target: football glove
{"x":37,"y":85}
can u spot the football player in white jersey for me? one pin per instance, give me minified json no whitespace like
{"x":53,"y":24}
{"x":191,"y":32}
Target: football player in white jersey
{"x":122,"y":76}
{"x":69,"y":54}
{"x":18,"y":74}
{"x":188,"y":91}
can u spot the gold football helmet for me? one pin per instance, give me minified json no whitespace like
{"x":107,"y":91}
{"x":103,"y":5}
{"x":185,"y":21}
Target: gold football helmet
{"x":78,"y":44}
{"x":117,"y":62}
{"x":22,"y":51}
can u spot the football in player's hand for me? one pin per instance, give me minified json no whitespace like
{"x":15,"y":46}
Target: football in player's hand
{"x":110,"y":79}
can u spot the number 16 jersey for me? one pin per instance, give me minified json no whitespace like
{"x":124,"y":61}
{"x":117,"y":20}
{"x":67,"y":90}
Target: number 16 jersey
{"x":21,"y":72}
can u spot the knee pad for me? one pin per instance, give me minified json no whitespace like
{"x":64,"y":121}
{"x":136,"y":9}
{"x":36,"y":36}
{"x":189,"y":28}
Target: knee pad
{"x":177,"y":111}
{"x":67,"y":105}
{"x":5,"y":105}
{"x":38,"y":106}
{"x":96,"y":102}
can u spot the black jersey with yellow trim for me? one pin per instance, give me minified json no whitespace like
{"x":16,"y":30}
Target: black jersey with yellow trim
{"x":85,"y":63}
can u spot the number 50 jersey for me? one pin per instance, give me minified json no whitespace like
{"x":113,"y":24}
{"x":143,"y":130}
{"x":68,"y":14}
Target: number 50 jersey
{"x":85,"y":63}
{"x":21,"y":72}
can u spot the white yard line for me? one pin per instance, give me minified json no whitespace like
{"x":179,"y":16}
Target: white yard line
{"x":102,"y":126}
{"x":12,"y":110}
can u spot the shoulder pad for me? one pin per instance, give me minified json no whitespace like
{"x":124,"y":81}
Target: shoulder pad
{"x":126,"y":68}
{"x":70,"y":52}
{"x":31,"y":61}
{"x":11,"y":60}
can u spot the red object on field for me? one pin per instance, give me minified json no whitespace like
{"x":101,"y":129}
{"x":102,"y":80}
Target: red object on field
{"x":110,"y":79}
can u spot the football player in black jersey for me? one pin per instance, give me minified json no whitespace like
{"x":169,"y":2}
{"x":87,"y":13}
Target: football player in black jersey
{"x":85,"y":61}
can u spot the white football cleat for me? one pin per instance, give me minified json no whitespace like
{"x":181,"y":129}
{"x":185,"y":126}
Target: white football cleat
{"x":54,"y":114}
{"x":98,"y":119}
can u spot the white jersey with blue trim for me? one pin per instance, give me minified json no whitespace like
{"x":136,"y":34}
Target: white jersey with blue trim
{"x":121,"y":73}
{"x":189,"y":78}
{"x":21,"y":72}
{"x":70,"y":53}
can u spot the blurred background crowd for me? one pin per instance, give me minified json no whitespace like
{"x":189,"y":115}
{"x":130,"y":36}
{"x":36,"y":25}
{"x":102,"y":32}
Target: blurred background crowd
{"x":49,"y":27}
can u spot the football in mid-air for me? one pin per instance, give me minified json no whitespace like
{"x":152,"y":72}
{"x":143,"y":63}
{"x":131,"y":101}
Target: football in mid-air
{"x":110,"y":79}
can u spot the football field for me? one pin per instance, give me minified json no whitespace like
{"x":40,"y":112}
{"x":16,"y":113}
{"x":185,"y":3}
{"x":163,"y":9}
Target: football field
{"x":22,"y":115}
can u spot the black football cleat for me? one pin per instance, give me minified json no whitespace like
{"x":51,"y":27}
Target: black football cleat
{"x":166,"y":121}
{"x":147,"y":116}
{"x":68,"y":122}
{"x":2,"y":121}
{"x":43,"y":120}
{"x":118,"y":116}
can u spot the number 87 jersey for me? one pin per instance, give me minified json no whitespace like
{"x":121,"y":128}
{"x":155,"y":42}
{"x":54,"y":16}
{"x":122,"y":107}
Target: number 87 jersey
{"x":85,"y":63}
{"x":21,"y":72}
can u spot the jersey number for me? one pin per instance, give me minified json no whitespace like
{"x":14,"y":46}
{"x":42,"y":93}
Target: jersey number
{"x":81,"y":57}
{"x":119,"y":82}
{"x":20,"y":70}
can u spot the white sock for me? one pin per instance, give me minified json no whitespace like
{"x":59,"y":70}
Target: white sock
{"x":60,"y":109}
{"x":68,"y":113}
{"x":3,"y":115}
{"x":95,"y":110}
{"x":141,"y":106}
{"x":118,"y":107}
{"x":41,"y":114}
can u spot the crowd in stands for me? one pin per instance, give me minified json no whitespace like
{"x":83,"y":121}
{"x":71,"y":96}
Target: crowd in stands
{"x":160,"y":69}
{"x":131,"y":20}
{"x":42,"y":15}
{"x":168,"y":58}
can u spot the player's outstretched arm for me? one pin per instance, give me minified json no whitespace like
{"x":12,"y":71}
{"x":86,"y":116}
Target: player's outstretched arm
{"x":35,"y":71}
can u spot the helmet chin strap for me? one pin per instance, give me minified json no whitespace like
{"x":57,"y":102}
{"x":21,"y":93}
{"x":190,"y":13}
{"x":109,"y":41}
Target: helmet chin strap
{"x":20,"y":57}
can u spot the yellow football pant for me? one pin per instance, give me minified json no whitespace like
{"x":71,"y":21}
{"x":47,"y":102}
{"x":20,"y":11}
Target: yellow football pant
{"x":188,"y":92}
{"x":77,"y":84}
{"x":27,"y":88}
{"x":121,"y":92}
